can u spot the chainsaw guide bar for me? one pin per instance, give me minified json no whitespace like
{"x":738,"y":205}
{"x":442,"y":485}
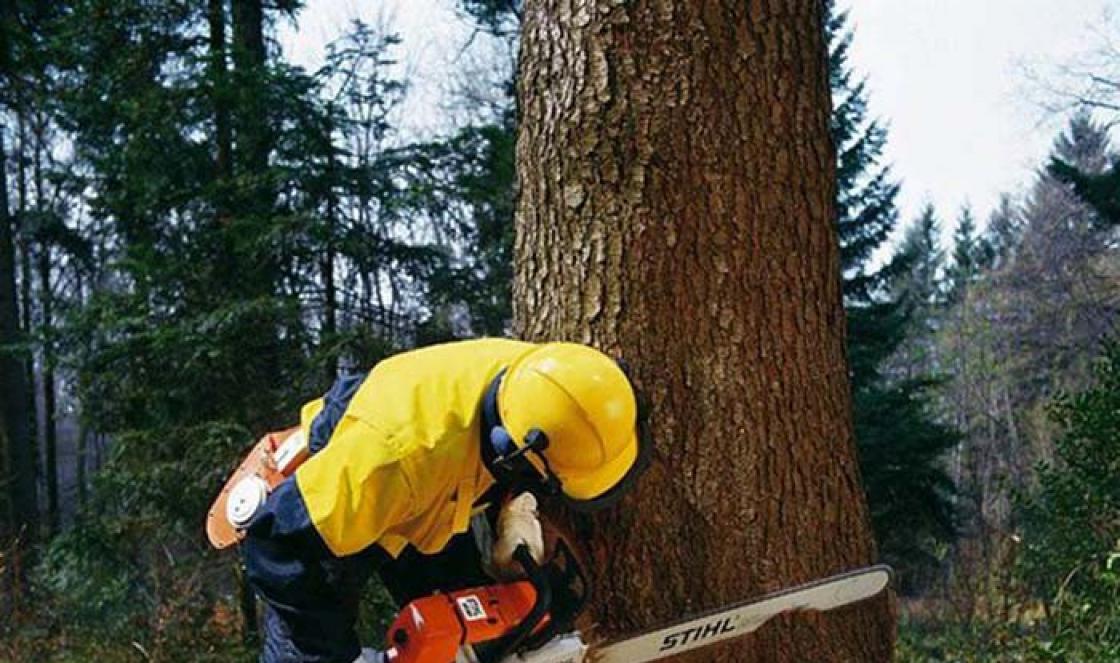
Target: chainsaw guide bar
{"x":743,"y":618}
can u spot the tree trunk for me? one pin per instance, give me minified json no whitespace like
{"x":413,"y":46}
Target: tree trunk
{"x":329,"y":329}
{"x":257,"y":273}
{"x":677,"y":186}
{"x":249,"y":57}
{"x":20,"y":448}
{"x":26,"y":308}
{"x":46,"y":331}
{"x":328,"y":260}
{"x":223,"y":137}
{"x":81,"y":460}
{"x":50,"y":409}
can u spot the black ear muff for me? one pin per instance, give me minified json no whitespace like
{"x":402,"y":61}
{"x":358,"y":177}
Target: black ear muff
{"x":505,"y":461}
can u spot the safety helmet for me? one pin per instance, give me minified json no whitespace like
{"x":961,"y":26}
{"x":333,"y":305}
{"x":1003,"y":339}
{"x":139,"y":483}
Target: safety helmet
{"x":581,"y":408}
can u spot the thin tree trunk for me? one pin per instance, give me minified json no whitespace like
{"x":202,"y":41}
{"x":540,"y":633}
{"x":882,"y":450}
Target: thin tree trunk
{"x":9,"y":334}
{"x":50,"y":428}
{"x":330,"y":291}
{"x":677,"y":186}
{"x":223,"y":136}
{"x":327,"y":263}
{"x":46,"y":327}
{"x":83,"y":425}
{"x":26,"y":305}
{"x":257,"y":275}
{"x":20,"y":447}
{"x":82,"y":459}
{"x":249,"y":57}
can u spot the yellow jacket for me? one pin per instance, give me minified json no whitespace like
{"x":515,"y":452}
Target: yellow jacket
{"x":403,"y":465}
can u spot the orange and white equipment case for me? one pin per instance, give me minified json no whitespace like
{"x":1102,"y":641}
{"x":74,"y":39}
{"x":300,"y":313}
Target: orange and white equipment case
{"x":272,"y":459}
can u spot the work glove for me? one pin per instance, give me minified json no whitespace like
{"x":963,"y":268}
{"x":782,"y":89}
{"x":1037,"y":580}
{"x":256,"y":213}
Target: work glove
{"x":518,"y":524}
{"x":370,"y":656}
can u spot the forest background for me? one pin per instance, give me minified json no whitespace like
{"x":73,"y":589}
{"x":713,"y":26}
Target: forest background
{"x":172,"y":185}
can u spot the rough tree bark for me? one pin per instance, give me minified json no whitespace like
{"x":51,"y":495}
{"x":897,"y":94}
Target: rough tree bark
{"x":676,"y":204}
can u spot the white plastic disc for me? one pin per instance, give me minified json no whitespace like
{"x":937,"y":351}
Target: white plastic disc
{"x":245,"y":499}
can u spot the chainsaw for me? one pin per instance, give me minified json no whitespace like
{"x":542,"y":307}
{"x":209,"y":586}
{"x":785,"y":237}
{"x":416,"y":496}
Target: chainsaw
{"x":531,"y":620}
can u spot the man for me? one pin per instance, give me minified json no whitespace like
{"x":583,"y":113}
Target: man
{"x":404,"y":458}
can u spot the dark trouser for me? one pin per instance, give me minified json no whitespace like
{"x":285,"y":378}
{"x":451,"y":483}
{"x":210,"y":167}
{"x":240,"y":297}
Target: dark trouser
{"x":412,"y":575}
{"x":330,"y":631}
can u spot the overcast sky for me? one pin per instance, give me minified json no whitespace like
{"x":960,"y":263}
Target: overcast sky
{"x":946,"y":76}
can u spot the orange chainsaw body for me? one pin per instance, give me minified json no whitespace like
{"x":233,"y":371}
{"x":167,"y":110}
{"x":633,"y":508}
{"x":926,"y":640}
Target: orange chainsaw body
{"x":272,"y":459}
{"x":435,"y":628}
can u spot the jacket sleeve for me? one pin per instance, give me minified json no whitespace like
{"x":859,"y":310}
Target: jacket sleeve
{"x":338,"y":504}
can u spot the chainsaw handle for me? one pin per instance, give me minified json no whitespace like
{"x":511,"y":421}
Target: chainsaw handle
{"x":538,"y":578}
{"x":523,"y":556}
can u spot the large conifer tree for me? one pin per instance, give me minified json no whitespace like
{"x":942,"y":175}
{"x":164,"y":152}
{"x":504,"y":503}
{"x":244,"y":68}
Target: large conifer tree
{"x":223,"y":233}
{"x":900,"y":444}
{"x":472,"y":178}
{"x":1079,"y":161}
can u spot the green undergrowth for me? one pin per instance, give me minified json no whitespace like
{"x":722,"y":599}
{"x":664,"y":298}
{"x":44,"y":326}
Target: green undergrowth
{"x":950,"y":642}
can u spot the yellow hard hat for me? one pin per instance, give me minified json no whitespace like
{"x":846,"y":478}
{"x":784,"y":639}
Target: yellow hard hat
{"x":584,"y":404}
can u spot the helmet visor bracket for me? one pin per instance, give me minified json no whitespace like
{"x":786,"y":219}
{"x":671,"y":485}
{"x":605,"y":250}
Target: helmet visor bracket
{"x":519,"y":462}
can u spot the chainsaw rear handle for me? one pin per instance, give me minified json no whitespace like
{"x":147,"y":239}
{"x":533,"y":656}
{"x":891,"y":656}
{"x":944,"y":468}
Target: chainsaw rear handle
{"x":538,"y":578}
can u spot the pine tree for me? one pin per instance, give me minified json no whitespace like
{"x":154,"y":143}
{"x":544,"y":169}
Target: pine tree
{"x":900,"y":444}
{"x":470,"y":178}
{"x":921,"y":250}
{"x":972,"y":254}
{"x":50,"y":254}
{"x":1030,"y":301}
{"x":200,"y":335}
{"x":473,"y":173}
{"x":1081,"y":160}
{"x":19,"y":516}
{"x":1060,"y":280}
{"x":965,"y":266}
{"x":1005,"y":226}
